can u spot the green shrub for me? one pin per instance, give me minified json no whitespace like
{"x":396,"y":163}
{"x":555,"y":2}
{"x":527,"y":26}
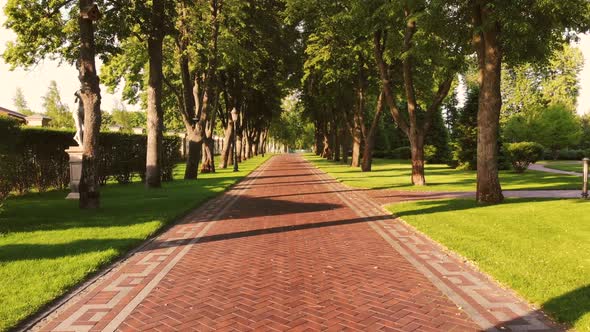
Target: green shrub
{"x":36,"y":158}
{"x":522,"y":154}
{"x":430,"y":153}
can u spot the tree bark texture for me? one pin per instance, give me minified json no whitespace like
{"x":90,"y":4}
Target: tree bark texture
{"x":367,"y":161}
{"x":414,"y":129}
{"x":226,"y":152}
{"x":90,"y":95}
{"x":487,"y":45}
{"x":155,"y":113}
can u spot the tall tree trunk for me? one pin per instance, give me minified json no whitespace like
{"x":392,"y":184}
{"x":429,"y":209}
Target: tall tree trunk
{"x":208,"y":163}
{"x":417,"y":147}
{"x":248,"y":147}
{"x":489,"y":55}
{"x":90,"y":95}
{"x":345,"y":142}
{"x":336,"y":136}
{"x":370,"y":139}
{"x":414,"y":130}
{"x":239,"y":147}
{"x":188,"y":94}
{"x":319,"y":137}
{"x":154,"y":100}
{"x":327,"y":151}
{"x":193,"y":156}
{"x":356,"y":146}
{"x":227,"y":144}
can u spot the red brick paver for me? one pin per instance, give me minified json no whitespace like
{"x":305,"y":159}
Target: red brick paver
{"x":291,"y":249}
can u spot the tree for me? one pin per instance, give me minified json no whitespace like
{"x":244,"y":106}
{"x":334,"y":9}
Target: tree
{"x":532,"y":85}
{"x":411,"y":37}
{"x":464,"y":133}
{"x":21,"y":103}
{"x":585,"y":140}
{"x":63,"y":30}
{"x":155,"y":113}
{"x":555,"y":127}
{"x":90,"y":96}
{"x":561,"y":84}
{"x":60,"y":114}
{"x":501,"y":34}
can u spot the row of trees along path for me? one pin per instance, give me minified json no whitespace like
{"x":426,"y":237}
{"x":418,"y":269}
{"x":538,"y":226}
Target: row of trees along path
{"x":406,"y":55}
{"x":197,"y":60}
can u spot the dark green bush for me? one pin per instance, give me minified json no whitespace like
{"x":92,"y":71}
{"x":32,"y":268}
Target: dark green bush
{"x":36,"y":158}
{"x":430,"y":154}
{"x":404,"y":152}
{"x":380,"y":154}
{"x":566,"y":154}
{"x":522,"y":154}
{"x":9,"y":129}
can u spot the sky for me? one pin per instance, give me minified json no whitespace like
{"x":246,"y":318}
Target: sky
{"x":35,"y":81}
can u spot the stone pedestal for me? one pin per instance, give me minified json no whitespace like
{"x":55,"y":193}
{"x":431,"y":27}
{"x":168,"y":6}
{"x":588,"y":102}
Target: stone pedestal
{"x":75,"y":153}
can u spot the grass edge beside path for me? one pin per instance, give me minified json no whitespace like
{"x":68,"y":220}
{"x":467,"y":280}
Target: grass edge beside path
{"x":537,"y":247}
{"x":395,"y":175}
{"x":52,"y":246}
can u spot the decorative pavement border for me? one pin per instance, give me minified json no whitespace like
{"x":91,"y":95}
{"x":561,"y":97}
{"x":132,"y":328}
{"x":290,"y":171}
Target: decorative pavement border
{"x":492,"y":307}
{"x":113,"y":296}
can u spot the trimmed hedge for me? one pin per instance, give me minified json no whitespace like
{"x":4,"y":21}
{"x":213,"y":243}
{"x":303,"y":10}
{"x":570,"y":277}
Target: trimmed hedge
{"x":35,"y":159}
{"x":523,"y":154}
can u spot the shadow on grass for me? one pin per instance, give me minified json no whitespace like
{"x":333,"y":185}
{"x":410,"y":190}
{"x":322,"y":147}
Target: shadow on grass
{"x":437,"y":206}
{"x":572,"y":305}
{"x":16,"y":252}
{"x":567,"y":309}
{"x":121,"y":205}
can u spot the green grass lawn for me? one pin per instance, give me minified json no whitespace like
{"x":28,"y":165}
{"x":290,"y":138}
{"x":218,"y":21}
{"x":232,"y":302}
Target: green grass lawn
{"x":395,"y":174}
{"x":539,"y":248}
{"x":48,"y":245}
{"x":570,"y":166}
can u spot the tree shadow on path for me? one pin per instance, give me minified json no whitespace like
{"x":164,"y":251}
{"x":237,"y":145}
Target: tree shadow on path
{"x":567,"y":309}
{"x":253,"y":207}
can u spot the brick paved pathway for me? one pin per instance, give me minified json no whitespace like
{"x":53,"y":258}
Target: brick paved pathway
{"x":291,"y":249}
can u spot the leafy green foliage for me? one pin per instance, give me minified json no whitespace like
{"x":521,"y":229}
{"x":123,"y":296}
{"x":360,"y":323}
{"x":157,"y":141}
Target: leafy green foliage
{"x":464,"y":133}
{"x":585,"y":137}
{"x":9,"y":129}
{"x":438,"y":138}
{"x":60,"y":114}
{"x":35,"y":158}
{"x":523,"y":154}
{"x":291,"y":128}
{"x":21,"y":103}
{"x":527,"y":86}
{"x":555,"y":127}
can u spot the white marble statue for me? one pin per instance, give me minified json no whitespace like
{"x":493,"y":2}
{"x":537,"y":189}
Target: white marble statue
{"x":79,"y":120}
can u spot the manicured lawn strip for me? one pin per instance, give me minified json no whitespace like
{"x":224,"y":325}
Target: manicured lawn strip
{"x":395,"y":174}
{"x":48,"y":245}
{"x":569,"y":166}
{"x":539,"y":248}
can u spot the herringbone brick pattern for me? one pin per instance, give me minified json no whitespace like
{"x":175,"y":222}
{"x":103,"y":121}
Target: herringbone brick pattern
{"x":287,"y":249}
